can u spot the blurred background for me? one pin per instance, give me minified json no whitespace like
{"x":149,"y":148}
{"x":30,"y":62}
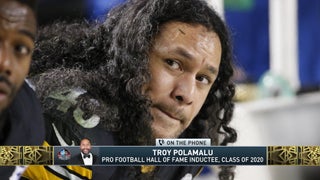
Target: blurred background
{"x":277,"y":62}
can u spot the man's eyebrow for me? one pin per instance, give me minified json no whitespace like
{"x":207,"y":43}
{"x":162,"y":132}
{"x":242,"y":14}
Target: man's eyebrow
{"x":182,"y":52}
{"x":28,"y":33}
{"x":185,"y":54}
{"x":212,"y":69}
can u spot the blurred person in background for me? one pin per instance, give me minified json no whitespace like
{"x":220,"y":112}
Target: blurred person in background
{"x":153,"y":69}
{"x":21,"y":121}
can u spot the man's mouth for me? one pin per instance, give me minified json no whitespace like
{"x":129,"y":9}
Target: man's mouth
{"x":85,"y":151}
{"x":170,"y":112}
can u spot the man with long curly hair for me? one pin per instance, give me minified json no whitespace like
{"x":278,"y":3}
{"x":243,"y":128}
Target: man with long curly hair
{"x":153,"y":69}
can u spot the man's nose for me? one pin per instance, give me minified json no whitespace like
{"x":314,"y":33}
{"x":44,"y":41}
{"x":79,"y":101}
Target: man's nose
{"x":184,"y":90}
{"x":6,"y":57}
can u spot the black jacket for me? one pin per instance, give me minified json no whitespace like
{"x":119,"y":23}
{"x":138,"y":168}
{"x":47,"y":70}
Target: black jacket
{"x":64,"y":129}
{"x":77,"y":159}
{"x":25,"y":124}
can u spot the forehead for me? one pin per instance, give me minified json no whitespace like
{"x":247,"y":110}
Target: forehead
{"x":15,"y":16}
{"x":190,"y":41}
{"x":174,"y":27}
{"x":173,"y":32}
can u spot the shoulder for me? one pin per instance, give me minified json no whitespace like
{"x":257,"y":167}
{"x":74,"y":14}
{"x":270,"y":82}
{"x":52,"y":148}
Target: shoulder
{"x":25,"y":98}
{"x":26,"y":118}
{"x":69,"y":118}
{"x":95,"y":156}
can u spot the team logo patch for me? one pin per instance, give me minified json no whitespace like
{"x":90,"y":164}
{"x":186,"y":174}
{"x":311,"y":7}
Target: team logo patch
{"x":64,"y":154}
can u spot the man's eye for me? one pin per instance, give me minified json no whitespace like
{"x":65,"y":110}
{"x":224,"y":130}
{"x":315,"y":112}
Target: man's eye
{"x":173,"y":64}
{"x":22,"y":50}
{"x":204,"y":79}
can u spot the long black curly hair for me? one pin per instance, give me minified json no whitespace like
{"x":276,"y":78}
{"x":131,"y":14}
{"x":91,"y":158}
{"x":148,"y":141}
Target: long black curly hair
{"x":112,"y":60}
{"x":130,"y":30}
